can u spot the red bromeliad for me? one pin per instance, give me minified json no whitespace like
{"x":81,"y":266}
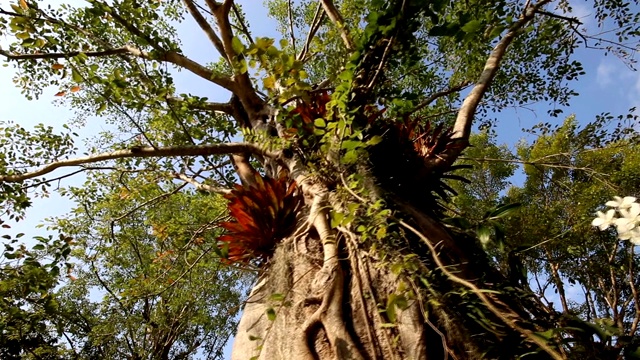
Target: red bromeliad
{"x":262,"y":214}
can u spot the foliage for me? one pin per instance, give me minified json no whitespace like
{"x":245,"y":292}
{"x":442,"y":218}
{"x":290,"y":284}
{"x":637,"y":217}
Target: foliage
{"x":548,"y":242}
{"x":162,"y":292}
{"x":29,"y":303}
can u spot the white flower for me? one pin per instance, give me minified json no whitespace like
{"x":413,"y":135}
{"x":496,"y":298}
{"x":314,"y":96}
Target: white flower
{"x":621,"y":203}
{"x":632,"y":212}
{"x":603,"y":221}
{"x":632,"y":235}
{"x":635,"y":236}
{"x":624,"y":224}
{"x":627,"y":223}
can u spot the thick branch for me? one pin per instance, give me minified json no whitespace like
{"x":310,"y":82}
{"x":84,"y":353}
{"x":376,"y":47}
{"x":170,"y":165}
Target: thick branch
{"x":204,"y":25}
{"x":245,"y":91}
{"x":225,"y":108}
{"x":335,"y":17}
{"x":464,"y":120}
{"x":244,"y":169}
{"x":172,"y":56}
{"x":144,"y":152}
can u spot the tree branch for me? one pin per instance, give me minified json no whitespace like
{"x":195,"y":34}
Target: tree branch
{"x":168,"y":56}
{"x":250,"y":100}
{"x":144,"y":152}
{"x":172,"y":56}
{"x":335,"y":17}
{"x":225,"y":108}
{"x":243,"y":26}
{"x":200,"y":186}
{"x":464,"y":120}
{"x":184,"y":62}
{"x":144,"y":204}
{"x":572,"y":20}
{"x":426,"y":102}
{"x":291,"y":28}
{"x":204,"y":25}
{"x":315,"y":25}
{"x":109,"y":52}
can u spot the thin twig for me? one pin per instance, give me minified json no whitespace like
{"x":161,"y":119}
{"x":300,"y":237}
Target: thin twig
{"x":243,"y":26}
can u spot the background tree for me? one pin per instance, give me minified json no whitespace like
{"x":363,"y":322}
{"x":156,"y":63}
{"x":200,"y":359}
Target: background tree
{"x":569,"y":172}
{"x":351,"y":126}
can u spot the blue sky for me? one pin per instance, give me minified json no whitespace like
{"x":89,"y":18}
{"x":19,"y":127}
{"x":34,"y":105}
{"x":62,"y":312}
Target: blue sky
{"x":608,"y":86}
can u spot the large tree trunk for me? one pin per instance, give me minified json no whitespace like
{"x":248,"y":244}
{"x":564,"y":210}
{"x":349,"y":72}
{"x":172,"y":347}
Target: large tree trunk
{"x":328,"y":316}
{"x":311,"y":303}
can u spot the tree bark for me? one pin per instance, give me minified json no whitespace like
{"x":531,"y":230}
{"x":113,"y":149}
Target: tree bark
{"x":295,"y":272}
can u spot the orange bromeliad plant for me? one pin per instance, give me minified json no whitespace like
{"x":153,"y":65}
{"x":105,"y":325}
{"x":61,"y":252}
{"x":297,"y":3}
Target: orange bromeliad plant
{"x":262,"y":214}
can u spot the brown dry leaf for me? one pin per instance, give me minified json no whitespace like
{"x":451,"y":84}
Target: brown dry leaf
{"x":124,"y":194}
{"x":60,"y":93}
{"x":57,"y":66}
{"x":23,"y":4}
{"x":75,"y":89}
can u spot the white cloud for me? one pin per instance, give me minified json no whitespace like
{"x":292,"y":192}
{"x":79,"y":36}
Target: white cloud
{"x":604,"y":73}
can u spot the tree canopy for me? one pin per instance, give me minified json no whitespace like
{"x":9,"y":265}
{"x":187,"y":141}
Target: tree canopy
{"x":343,"y":184}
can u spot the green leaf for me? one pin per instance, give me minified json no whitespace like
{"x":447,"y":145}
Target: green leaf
{"x":237,"y":45}
{"x":472,"y":26}
{"x":336,"y":218}
{"x":483,"y":233}
{"x":320,"y":123}
{"x":375,"y":140}
{"x":276,"y":297}
{"x":76,"y":76}
{"x":504,"y":210}
{"x":271,"y":314}
{"x":351,"y":144}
